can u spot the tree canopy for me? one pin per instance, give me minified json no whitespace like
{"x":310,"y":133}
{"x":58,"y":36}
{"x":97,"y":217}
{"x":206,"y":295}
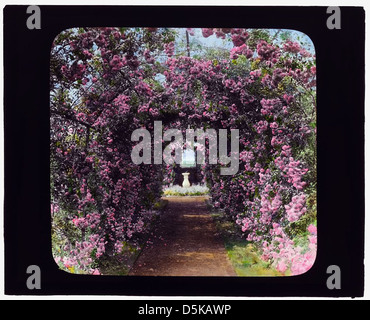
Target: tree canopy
{"x":107,"y":82}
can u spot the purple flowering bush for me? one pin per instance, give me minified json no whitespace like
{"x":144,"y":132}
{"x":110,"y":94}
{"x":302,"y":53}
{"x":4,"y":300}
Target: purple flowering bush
{"x":107,"y":82}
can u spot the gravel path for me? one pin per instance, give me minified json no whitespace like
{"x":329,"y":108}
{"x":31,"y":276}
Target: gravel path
{"x":186,"y":243}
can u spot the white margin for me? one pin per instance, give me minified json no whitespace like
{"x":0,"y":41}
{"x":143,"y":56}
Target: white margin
{"x":364,"y":4}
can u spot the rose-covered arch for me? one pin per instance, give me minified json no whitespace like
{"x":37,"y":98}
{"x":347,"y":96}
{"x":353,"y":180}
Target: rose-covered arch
{"x":108,"y":82}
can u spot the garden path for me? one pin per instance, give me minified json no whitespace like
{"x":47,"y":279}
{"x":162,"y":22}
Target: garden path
{"x":186,"y":243}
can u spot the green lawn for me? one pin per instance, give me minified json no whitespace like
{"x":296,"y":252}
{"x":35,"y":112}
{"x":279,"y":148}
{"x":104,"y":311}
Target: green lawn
{"x":243,"y":255}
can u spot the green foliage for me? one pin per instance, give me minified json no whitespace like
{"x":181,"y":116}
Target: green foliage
{"x":160,"y":205}
{"x":244,"y":256}
{"x":255,"y":35}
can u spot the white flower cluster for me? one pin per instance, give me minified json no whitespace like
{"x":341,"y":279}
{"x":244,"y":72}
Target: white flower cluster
{"x":177,"y":190}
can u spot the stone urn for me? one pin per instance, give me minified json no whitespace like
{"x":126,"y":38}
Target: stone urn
{"x":186,"y":183}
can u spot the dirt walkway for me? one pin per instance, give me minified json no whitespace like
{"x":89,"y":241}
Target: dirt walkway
{"x":185,"y":244}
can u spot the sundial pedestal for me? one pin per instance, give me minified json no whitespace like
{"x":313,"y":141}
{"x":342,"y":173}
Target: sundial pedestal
{"x":186,"y":183}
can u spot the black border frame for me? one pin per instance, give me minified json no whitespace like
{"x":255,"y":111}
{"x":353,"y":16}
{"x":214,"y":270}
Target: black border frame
{"x":340,"y":99}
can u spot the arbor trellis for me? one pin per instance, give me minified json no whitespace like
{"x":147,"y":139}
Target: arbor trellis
{"x":107,"y":82}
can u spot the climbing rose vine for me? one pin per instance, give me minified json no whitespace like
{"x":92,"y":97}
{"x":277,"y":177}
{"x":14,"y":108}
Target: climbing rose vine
{"x":108,"y":82}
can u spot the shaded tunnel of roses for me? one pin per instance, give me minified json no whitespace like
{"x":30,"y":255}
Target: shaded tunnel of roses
{"x":108,"y":82}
